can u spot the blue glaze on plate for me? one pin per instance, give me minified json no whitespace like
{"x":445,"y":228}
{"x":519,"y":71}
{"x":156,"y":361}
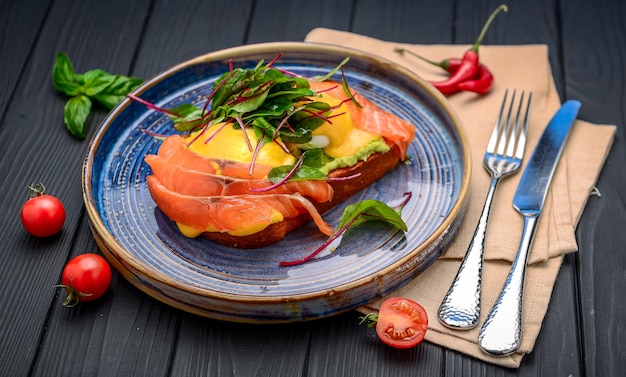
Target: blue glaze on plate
{"x":247,"y":285}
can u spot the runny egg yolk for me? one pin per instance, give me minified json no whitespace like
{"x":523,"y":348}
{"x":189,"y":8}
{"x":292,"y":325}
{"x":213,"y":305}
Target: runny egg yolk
{"x":226,"y":142}
{"x":275,"y":217}
{"x":344,"y":138}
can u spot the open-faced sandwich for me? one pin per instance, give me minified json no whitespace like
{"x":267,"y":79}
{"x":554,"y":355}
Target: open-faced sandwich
{"x":269,"y":151}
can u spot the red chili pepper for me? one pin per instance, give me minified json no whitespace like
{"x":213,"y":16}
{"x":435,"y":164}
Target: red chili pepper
{"x":469,"y":66}
{"x":481,"y":84}
{"x":467,"y":70}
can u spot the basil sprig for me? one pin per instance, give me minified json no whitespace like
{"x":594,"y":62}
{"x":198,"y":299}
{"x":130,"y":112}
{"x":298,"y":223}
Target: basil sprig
{"x":95,"y":85}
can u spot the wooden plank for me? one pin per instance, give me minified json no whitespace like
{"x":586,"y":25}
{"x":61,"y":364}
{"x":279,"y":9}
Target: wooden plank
{"x":36,"y":147}
{"x":181,"y":30}
{"x":124,"y":333}
{"x":285,"y":20}
{"x":20,"y":22}
{"x":593,"y":41}
{"x":406,"y":21}
{"x":128,"y":333}
{"x":342,"y":347}
{"x":215,"y":348}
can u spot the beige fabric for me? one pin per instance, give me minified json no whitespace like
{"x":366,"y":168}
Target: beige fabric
{"x":522,"y":68}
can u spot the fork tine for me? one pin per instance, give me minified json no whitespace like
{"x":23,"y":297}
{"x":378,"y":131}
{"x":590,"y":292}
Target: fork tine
{"x":493,"y":140}
{"x":521,"y":143}
{"x":506,"y":134}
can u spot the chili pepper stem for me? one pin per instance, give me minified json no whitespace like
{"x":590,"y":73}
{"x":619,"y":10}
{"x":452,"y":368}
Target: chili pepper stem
{"x":479,"y":40}
{"x":401,"y":50}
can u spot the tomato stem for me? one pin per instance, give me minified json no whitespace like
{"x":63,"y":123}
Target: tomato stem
{"x":73,"y":296}
{"x":36,"y":189}
{"x":369,"y":320}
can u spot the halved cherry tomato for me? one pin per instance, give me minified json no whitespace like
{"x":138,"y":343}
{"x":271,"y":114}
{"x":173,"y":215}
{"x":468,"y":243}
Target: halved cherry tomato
{"x":42,"y":215}
{"x":402,"y":323}
{"x":85,"y":278}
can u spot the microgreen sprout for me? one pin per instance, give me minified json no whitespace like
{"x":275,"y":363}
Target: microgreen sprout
{"x":356,"y":214}
{"x":280,"y":106}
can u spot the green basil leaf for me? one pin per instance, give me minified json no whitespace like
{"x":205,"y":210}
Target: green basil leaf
{"x":63,"y":75}
{"x":113,"y":94}
{"x":75,"y":114}
{"x":96,"y":81}
{"x":368,"y":210}
{"x":108,"y":101}
{"x":123,"y":85}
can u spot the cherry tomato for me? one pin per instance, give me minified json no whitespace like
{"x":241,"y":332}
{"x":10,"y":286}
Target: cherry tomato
{"x":42,"y":215}
{"x":402,"y":323}
{"x":85,"y":278}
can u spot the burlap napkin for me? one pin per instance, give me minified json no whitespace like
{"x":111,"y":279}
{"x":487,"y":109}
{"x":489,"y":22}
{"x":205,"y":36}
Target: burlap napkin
{"x":521,"y":68}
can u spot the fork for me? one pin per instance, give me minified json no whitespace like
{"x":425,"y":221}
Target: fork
{"x":460,"y":308}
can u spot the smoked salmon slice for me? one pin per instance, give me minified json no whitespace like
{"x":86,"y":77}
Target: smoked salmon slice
{"x":232,"y":213}
{"x":174,"y":149}
{"x":370,"y":117}
{"x":192,"y":182}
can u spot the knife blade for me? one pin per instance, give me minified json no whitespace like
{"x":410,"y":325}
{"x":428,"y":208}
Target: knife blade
{"x":501,"y":332}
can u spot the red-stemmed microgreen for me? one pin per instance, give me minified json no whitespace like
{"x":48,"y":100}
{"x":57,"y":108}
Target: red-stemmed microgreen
{"x":217,"y":87}
{"x":279,"y":106}
{"x":214,"y":134}
{"x":295,"y":168}
{"x":151,"y":106}
{"x":346,"y":89}
{"x":255,"y":154}
{"x":354,"y":215}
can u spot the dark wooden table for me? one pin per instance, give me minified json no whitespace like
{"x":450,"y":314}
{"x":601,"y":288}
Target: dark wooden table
{"x":128,"y":333}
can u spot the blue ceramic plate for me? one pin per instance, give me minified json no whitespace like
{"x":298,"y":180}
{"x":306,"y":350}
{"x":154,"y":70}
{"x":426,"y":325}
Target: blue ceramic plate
{"x":208,"y":279}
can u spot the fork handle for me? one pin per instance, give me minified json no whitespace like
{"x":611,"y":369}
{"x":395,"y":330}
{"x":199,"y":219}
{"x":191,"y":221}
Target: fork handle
{"x":501,"y":333}
{"x":460,"y":308}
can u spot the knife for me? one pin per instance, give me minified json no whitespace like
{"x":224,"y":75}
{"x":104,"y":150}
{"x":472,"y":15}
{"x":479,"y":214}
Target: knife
{"x":501,"y":332}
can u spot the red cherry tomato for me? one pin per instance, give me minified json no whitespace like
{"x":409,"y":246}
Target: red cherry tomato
{"x":85,"y":278}
{"x":42,"y":215}
{"x":402,"y":323}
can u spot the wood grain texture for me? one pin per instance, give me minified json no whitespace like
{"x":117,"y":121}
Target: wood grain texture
{"x":406,"y":20}
{"x":20,"y":23}
{"x":593,"y":40}
{"x":45,"y":152}
{"x":286,"y":20}
{"x":178,"y":31}
{"x":127,"y":333}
